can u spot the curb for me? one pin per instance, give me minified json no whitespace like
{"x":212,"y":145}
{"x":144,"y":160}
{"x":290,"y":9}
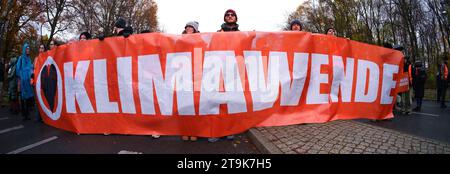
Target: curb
{"x":261,"y":143}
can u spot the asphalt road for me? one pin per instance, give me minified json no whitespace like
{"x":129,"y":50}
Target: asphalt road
{"x":32,"y":137}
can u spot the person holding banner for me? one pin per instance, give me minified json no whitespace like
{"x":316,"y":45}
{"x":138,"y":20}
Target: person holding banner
{"x":85,"y":36}
{"x":296,"y":25}
{"x":230,"y":24}
{"x":190,"y":28}
{"x":406,"y":96}
{"x":24,"y":70}
{"x":443,"y":72}
{"x":331,"y":31}
{"x":53,"y":44}
{"x":12,"y":86}
{"x":120,"y":29}
{"x":419,"y":79}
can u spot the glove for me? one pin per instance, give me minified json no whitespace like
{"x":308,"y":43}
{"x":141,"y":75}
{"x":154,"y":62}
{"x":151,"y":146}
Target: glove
{"x":126,"y":34}
{"x":101,"y":37}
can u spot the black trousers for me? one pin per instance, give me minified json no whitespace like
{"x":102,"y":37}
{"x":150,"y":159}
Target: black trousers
{"x":443,"y":92}
{"x":25,"y":106}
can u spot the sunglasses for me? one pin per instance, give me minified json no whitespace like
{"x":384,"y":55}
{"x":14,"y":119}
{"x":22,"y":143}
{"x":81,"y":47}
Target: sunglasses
{"x":230,"y":14}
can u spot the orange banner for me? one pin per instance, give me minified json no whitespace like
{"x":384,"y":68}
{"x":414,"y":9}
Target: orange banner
{"x":213,"y":84}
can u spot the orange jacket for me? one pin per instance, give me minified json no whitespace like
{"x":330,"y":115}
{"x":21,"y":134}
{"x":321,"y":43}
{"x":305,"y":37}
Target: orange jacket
{"x":410,"y":73}
{"x":445,"y":72}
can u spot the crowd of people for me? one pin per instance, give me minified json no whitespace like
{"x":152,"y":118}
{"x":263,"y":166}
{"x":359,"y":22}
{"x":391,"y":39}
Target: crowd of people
{"x":20,"y":75}
{"x":417,"y":77}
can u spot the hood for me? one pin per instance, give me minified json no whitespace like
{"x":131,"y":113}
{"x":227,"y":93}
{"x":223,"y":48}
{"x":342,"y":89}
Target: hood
{"x":24,"y":49}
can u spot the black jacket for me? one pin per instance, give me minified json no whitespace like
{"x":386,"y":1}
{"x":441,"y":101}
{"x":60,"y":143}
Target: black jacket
{"x":419,"y":75}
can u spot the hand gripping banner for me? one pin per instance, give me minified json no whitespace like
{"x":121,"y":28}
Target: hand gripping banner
{"x":213,"y":84}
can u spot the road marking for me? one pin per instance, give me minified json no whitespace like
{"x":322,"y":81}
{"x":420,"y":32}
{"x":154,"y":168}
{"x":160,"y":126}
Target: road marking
{"x":20,"y":150}
{"x":420,"y":113}
{"x":11,"y":129}
{"x":4,"y":118}
{"x":128,"y":152}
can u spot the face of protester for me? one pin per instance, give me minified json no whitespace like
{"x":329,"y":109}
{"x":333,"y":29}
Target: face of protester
{"x":190,"y":30}
{"x":296,"y":27}
{"x":82,"y":37}
{"x":52,"y":45}
{"x":230,"y":18}
{"x":117,"y":30}
{"x":41,"y":48}
{"x":27,"y":51}
{"x":330,"y":32}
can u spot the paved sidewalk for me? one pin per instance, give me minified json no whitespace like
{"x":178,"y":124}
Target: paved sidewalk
{"x":341,"y":137}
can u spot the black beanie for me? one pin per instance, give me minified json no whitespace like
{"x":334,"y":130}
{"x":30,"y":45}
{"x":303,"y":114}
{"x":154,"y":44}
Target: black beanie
{"x":296,"y":21}
{"x":120,"y":23}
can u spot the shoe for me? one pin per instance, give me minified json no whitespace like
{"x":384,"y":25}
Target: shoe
{"x":416,"y":109}
{"x":185,"y":138}
{"x":193,"y":138}
{"x":213,"y":140}
{"x":156,"y":136}
{"x":230,"y":137}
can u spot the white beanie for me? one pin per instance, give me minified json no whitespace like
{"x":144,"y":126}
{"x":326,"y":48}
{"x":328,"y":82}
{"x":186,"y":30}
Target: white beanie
{"x":193,"y":24}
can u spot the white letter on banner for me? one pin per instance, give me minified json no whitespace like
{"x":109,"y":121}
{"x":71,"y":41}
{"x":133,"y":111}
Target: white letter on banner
{"x":341,"y":80}
{"x":314,"y":96}
{"x":124,"y":73}
{"x":291,"y":92}
{"x":178,"y":73}
{"x":374,"y":76}
{"x":101,"y":89}
{"x":265,"y":94}
{"x":74,"y":87}
{"x":210,"y":97}
{"x":388,"y":83}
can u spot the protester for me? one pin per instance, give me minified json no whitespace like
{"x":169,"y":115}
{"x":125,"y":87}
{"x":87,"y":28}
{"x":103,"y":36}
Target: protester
{"x":2,"y":74}
{"x":443,"y":71}
{"x":406,"y":96}
{"x":419,"y":79}
{"x":85,"y":36}
{"x":331,"y":31}
{"x":230,"y":25}
{"x":296,"y":25}
{"x":190,"y":28}
{"x":230,"y":19}
{"x":438,"y":83}
{"x":12,"y":87}
{"x":52,"y":44}
{"x":120,"y":29}
{"x":41,"y":50}
{"x":24,"y":70}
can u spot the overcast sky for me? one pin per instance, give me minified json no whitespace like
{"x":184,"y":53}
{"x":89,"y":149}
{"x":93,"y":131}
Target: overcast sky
{"x":260,"y":15}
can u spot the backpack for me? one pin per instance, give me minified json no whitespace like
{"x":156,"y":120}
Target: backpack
{"x":12,"y":71}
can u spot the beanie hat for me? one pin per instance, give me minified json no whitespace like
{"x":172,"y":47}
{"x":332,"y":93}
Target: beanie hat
{"x":120,"y":23}
{"x":296,"y":21}
{"x":193,"y":24}
{"x":230,"y":11}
